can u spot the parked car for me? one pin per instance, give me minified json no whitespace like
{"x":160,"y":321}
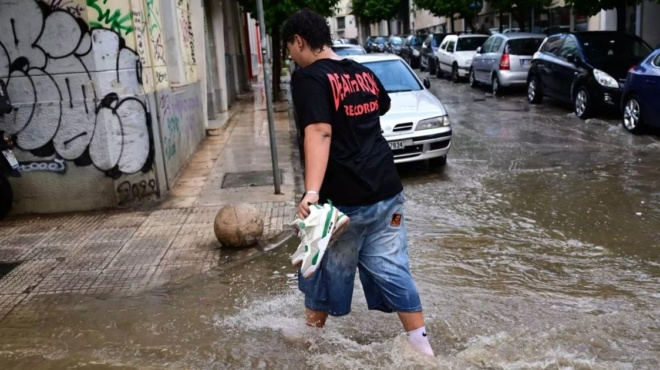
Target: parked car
{"x":456,"y":53}
{"x":585,"y":68}
{"x":348,"y":49}
{"x":417,"y":125}
{"x":641,"y":95}
{"x":504,"y":60}
{"x":378,"y":45}
{"x":351,"y":41}
{"x":368,"y":42}
{"x":394,"y":44}
{"x":430,"y":47}
{"x":411,"y":50}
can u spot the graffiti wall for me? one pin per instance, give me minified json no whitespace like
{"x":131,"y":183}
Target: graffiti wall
{"x":180,"y":114}
{"x":81,"y":75}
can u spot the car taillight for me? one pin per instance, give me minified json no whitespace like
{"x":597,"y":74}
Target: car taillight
{"x":505,"y":63}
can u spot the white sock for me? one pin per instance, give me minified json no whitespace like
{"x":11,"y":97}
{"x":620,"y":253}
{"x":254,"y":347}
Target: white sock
{"x":419,"y":341}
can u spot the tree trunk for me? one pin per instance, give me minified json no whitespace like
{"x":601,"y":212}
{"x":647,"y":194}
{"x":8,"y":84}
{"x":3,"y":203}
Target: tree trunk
{"x":451,"y":23}
{"x":621,"y":18}
{"x":277,"y":63}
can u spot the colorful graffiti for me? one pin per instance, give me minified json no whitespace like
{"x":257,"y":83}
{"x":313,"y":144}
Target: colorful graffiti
{"x":47,"y":57}
{"x":111,"y":18}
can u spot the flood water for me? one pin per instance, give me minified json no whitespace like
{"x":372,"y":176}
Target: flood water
{"x":537,"y":247}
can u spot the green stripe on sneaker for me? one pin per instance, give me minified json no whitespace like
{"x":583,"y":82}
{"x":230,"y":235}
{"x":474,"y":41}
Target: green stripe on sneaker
{"x":326,"y":227}
{"x":315,"y":259}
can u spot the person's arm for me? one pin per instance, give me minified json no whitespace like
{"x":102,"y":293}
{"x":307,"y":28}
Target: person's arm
{"x":317,"y":153}
{"x":312,"y":100}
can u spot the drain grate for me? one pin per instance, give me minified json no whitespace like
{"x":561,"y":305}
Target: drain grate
{"x":248,"y":179}
{"x":7,"y":267}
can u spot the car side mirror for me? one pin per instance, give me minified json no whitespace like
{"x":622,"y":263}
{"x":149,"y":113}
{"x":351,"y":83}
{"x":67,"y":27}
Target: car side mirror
{"x":427,"y":83}
{"x":479,"y":50}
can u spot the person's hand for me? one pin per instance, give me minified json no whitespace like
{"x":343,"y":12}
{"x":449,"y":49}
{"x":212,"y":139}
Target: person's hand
{"x":303,"y":207}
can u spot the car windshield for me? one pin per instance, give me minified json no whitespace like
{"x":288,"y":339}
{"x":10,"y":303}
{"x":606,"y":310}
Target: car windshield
{"x":380,"y":40}
{"x":470,"y":43}
{"x":437,"y":39}
{"x":394,"y":75}
{"x":348,"y":51}
{"x":523,"y":46}
{"x":416,"y":41}
{"x":600,"y":48}
{"x":397,"y":41}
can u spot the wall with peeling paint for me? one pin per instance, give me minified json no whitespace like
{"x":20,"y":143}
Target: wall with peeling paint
{"x":85,"y":78}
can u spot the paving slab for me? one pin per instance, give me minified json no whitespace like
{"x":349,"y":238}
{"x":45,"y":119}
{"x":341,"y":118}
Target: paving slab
{"x":123,"y":252}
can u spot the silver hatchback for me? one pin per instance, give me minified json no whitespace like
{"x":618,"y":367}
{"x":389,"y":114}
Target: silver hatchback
{"x":503,"y":60}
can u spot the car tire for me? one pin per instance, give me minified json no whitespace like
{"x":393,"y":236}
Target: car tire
{"x":472,"y":80}
{"x":582,"y":105}
{"x":632,"y":115}
{"x":495,"y":86}
{"x":534,"y":91}
{"x":438,"y":161}
{"x":454,"y":74}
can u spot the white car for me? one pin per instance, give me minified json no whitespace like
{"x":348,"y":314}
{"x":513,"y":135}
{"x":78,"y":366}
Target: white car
{"x":455,"y":55}
{"x":417,"y":125}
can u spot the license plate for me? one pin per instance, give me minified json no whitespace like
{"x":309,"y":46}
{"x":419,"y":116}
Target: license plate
{"x":525,"y":62}
{"x":10,"y":158}
{"x":394,"y":145}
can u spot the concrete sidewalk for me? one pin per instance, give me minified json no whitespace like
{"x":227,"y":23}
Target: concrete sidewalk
{"x":126,"y":251}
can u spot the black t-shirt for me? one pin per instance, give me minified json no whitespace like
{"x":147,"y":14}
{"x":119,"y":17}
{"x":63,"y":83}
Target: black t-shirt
{"x":348,"y":96}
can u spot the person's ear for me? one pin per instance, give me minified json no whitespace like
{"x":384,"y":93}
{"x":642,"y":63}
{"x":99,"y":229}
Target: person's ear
{"x":299,"y":42}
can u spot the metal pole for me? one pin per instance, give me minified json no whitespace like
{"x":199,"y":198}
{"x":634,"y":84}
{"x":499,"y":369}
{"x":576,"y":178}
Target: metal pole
{"x":269,"y":95}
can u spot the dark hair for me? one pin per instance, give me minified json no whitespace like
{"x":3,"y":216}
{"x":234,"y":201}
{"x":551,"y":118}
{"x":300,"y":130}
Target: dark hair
{"x":310,"y":26}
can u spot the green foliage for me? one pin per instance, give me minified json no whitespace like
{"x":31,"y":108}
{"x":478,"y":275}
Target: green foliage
{"x":372,"y":11}
{"x":448,"y":8}
{"x":278,"y":11}
{"x":593,"y":7}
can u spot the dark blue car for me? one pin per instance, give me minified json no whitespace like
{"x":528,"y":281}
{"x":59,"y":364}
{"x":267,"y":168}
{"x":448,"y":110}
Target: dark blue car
{"x":641,"y":95}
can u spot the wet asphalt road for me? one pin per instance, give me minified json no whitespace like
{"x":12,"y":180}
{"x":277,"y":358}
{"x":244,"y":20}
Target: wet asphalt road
{"x":536,"y":247}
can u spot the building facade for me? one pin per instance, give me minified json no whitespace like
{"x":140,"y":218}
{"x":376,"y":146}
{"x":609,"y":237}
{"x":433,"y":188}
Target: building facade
{"x":343,"y":24}
{"x":109,"y":102}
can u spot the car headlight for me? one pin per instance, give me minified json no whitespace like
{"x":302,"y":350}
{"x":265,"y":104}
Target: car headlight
{"x":415,"y":52}
{"x":604,"y":79}
{"x":435,"y":122}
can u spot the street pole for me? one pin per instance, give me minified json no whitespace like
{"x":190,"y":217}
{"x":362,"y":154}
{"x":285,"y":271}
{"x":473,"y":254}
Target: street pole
{"x":269,"y":95}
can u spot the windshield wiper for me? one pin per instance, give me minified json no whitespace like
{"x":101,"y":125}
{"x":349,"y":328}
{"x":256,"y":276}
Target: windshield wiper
{"x":398,"y":91}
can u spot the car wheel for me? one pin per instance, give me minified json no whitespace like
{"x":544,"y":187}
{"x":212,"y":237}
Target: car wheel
{"x":632,"y":116}
{"x":438,"y":161}
{"x":454,"y":73}
{"x":495,"y":86}
{"x":534,"y":91}
{"x":582,"y":103}
{"x":472,"y":81}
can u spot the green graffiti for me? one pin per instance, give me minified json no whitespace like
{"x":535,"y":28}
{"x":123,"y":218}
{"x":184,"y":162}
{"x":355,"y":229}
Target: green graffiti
{"x":114,"y":20}
{"x":152,"y":16}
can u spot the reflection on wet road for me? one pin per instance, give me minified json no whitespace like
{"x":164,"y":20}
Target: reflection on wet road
{"x":537,"y":247}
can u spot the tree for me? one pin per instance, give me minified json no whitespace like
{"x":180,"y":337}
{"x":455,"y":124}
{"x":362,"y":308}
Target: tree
{"x":372,"y":11}
{"x":466,"y":9}
{"x":593,"y":7}
{"x":275,"y":13}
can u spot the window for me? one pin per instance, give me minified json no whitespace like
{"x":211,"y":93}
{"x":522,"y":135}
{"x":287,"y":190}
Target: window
{"x":470,"y":43}
{"x":443,"y":46}
{"x":341,"y":23}
{"x":656,"y":61}
{"x":569,"y":48}
{"x":608,"y":47}
{"x":497,"y":45}
{"x":523,"y":46}
{"x":553,"y":45}
{"x":450,"y":46}
{"x":394,"y":75}
{"x":486,"y":47}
